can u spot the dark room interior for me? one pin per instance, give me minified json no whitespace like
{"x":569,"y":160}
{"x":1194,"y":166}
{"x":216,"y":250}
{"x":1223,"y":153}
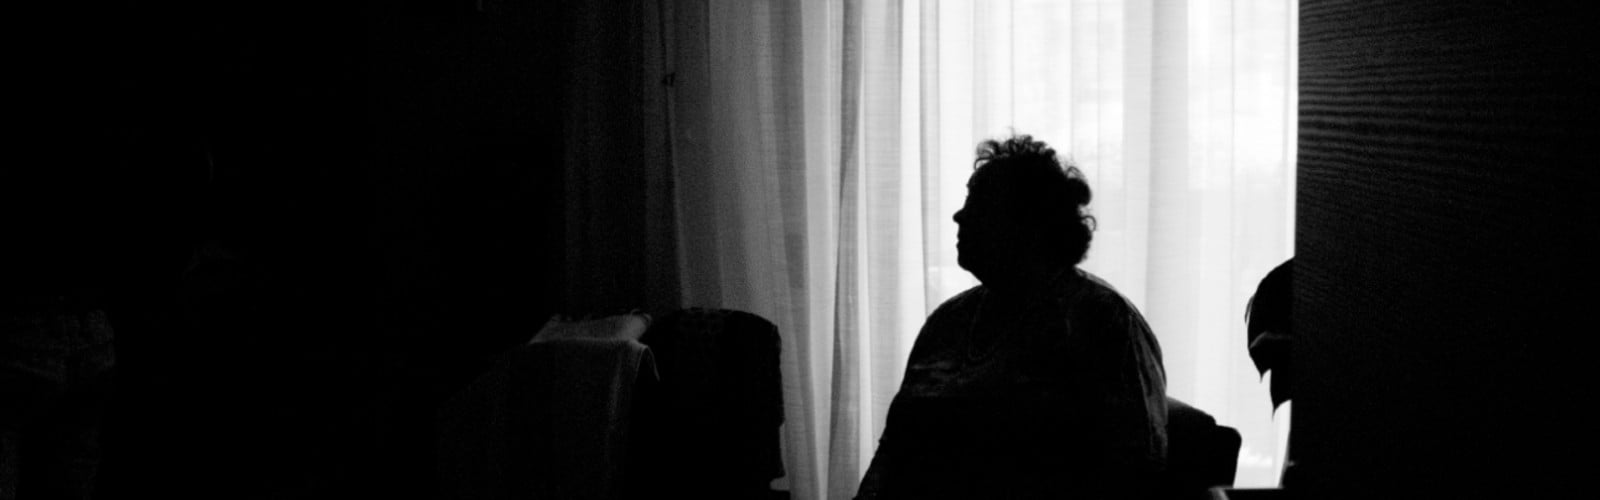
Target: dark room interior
{"x":317,"y":222}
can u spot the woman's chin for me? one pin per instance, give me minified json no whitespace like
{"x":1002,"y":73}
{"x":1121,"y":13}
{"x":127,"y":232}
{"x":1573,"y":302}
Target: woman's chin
{"x":980,"y":272}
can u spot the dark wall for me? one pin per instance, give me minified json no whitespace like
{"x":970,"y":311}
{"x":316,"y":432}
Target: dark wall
{"x":1444,"y":237}
{"x":227,"y":138}
{"x":315,"y":221}
{"x":465,"y":163}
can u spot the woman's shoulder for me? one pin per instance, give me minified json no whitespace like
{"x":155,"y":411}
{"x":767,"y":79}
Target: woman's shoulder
{"x":954,"y":314}
{"x":1096,"y":296}
{"x":961,"y":301}
{"x":1086,"y":285}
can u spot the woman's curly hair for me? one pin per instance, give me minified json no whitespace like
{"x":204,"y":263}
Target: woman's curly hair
{"x":1052,"y":194}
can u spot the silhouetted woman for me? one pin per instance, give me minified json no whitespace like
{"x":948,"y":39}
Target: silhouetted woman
{"x":1041,"y":382}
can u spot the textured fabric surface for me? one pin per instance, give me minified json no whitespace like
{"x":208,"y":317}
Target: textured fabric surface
{"x":1038,"y":397}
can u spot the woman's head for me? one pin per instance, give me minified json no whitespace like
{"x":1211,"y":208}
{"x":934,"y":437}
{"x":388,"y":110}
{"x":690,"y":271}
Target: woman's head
{"x":1023,"y":204}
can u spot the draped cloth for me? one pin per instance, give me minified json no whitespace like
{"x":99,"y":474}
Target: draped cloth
{"x":551,"y":419}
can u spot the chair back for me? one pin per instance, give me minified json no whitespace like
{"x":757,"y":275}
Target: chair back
{"x":1200,"y":453}
{"x":719,"y":405}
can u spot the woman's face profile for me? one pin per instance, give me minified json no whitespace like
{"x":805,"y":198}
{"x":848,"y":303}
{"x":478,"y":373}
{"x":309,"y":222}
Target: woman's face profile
{"x":988,"y":236}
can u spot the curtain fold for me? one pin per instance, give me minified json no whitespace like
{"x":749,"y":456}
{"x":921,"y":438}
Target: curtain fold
{"x":818,"y":150}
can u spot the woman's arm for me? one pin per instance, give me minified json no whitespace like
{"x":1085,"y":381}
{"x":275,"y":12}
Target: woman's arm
{"x":931,"y":339}
{"x":872,"y":483}
{"x":1133,"y":407}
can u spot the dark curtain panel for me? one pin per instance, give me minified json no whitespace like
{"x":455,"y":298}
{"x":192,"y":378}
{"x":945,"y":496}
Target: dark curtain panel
{"x":1445,"y":236}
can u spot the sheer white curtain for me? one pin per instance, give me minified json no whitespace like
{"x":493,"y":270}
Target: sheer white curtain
{"x":821,"y":147}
